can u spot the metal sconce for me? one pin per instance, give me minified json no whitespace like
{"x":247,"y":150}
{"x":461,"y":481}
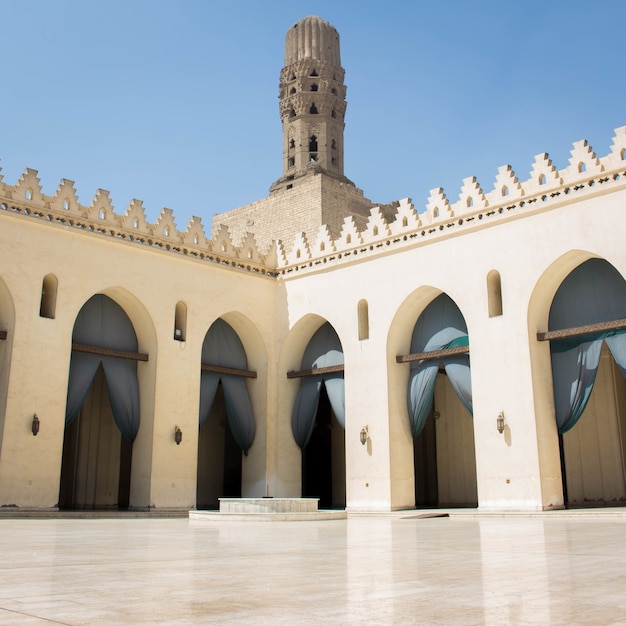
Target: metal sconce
{"x":365,"y":433}
{"x":35,"y":425}
{"x":178,"y":435}
{"x":500,"y":422}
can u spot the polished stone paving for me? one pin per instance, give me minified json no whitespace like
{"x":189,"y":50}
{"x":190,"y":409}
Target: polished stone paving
{"x":394,"y":569}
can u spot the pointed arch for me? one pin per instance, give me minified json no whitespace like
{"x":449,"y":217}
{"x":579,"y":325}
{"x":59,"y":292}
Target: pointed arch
{"x":323,"y":351}
{"x":223,"y":348}
{"x":102,"y":323}
{"x":593,"y":293}
{"x":441,"y":326}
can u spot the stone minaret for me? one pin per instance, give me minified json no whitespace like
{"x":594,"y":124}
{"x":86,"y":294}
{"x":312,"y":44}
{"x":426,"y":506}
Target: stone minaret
{"x":312,"y":102}
{"x":313,"y":190}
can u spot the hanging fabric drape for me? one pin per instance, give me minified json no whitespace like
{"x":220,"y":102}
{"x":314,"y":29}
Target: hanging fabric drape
{"x":104,"y":324}
{"x":440,"y":326}
{"x":324,"y":350}
{"x":592,"y":293}
{"x":223,"y":347}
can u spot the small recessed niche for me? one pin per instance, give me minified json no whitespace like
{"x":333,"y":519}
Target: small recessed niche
{"x":180,"y":321}
{"x":364,"y":321}
{"x":494,"y":293}
{"x":48,"y":303}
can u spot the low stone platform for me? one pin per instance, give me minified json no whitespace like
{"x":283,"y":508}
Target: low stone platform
{"x":267,"y":509}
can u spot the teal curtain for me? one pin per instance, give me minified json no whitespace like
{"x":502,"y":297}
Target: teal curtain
{"x":440,"y":326}
{"x":223,"y":347}
{"x":104,"y":324}
{"x":323,"y":350}
{"x":593,"y":292}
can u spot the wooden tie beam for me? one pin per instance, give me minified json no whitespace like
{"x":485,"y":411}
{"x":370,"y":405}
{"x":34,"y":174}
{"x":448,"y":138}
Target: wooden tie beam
{"x":432,"y":355}
{"x":218,"y":369}
{"x":122,"y":354}
{"x":316,"y":371}
{"x":577,"y":331}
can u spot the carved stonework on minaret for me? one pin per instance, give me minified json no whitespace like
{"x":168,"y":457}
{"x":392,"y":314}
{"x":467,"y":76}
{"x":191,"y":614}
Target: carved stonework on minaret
{"x":312,"y":102}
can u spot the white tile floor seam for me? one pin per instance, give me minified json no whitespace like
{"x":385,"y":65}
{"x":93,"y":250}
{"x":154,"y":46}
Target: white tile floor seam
{"x":384,"y":570}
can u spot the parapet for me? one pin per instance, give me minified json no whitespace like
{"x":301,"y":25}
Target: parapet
{"x":386,"y":228}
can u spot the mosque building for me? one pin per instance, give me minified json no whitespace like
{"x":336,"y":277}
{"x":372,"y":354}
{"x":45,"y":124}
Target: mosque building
{"x":379,"y":357}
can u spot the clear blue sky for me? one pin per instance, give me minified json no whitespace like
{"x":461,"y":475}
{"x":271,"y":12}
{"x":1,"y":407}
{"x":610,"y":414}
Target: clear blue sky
{"x":176,"y":103}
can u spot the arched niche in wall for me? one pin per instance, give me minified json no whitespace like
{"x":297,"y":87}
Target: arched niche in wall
{"x":180,"y":321}
{"x":47,"y":307}
{"x":494,"y":293}
{"x":364,"y":320}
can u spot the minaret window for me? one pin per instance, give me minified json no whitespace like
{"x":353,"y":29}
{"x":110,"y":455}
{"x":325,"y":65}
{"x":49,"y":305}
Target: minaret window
{"x":314,"y":87}
{"x":332,"y":114}
{"x":292,"y":161}
{"x":292,"y":113}
{"x":292,"y":91}
{"x":314,"y":73}
{"x":313,"y":144}
{"x":292,"y":143}
{"x":313,"y":109}
{"x":333,"y":144}
{"x":333,"y":91}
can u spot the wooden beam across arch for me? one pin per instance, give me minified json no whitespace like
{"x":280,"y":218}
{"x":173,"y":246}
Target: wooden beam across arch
{"x":577,"y":331}
{"x":122,"y":354}
{"x":316,"y":371}
{"x":218,"y":369}
{"x":432,"y":354}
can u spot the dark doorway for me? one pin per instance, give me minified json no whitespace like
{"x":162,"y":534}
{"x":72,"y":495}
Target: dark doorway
{"x":219,"y":458}
{"x":425,"y":462}
{"x":323,"y":459}
{"x":96,"y":462}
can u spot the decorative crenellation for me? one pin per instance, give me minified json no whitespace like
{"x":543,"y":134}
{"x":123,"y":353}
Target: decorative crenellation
{"x":547,"y":187}
{"x":26,"y":199}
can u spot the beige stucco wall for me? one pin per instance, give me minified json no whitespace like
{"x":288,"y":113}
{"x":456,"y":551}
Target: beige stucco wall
{"x":275,"y":304}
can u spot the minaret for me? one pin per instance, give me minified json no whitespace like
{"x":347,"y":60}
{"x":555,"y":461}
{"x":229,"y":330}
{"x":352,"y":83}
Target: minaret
{"x":312,"y":102}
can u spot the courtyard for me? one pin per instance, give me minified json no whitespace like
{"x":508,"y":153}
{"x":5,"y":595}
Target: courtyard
{"x":408,"y":568}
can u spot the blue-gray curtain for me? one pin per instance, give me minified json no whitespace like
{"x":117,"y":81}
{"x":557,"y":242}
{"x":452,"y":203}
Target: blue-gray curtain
{"x":440,"y":326}
{"x":324,"y":350}
{"x":223,"y":347}
{"x":594,"y":292}
{"x":104,"y":324}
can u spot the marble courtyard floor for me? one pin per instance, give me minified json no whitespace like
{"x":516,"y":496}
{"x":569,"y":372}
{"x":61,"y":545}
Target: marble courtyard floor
{"x":394,"y":569}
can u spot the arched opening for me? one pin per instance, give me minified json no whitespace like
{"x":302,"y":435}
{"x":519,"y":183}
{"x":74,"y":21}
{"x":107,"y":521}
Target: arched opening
{"x":226,"y":422}
{"x":318,"y":419}
{"x":588,"y":358}
{"x":313,"y":109}
{"x":440,"y":408}
{"x":48,"y":302}
{"x":102,"y":411}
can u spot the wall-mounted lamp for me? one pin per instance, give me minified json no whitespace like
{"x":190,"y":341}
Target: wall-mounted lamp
{"x":178,"y":435}
{"x":500,"y":422}
{"x":35,"y":425}
{"x":365,"y":433}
